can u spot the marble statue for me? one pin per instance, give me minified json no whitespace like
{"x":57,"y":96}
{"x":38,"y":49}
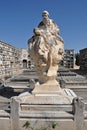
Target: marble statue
{"x":46,"y":49}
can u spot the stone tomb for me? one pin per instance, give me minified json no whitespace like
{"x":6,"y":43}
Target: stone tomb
{"x":46,"y":48}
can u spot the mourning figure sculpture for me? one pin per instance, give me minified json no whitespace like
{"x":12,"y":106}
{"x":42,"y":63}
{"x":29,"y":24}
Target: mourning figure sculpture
{"x":46,"y":48}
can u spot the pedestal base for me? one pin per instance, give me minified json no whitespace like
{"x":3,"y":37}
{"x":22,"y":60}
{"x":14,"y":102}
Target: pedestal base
{"x":50,"y":87}
{"x":46,"y":107}
{"x":63,"y":96}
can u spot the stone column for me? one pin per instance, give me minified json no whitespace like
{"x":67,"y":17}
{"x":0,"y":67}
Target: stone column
{"x":79,"y":108}
{"x":15,"y":106}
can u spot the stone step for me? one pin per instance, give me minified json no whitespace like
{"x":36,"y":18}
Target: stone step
{"x":4,"y":114}
{"x":41,"y":107}
{"x":46,"y":114}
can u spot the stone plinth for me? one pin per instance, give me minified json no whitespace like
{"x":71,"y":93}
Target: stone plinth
{"x":64,"y":96}
{"x":50,"y":87}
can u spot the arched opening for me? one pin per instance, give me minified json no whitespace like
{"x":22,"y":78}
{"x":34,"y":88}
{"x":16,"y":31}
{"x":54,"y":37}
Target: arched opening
{"x":24,"y":63}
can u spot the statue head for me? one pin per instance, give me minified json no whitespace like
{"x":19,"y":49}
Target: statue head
{"x":45,"y":14}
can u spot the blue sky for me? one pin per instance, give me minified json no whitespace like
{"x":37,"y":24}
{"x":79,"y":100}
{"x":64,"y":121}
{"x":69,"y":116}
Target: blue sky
{"x":18,"y":18}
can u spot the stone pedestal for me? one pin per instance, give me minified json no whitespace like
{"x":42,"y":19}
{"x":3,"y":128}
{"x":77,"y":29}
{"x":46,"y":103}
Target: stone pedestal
{"x":50,"y":87}
{"x":48,"y":95}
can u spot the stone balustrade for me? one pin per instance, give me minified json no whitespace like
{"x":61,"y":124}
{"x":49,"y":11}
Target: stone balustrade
{"x":14,"y":114}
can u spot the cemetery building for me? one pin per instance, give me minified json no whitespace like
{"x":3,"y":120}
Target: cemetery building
{"x":9,"y":59}
{"x":69,"y":58}
{"x":25,"y":58}
{"x":83,"y":59}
